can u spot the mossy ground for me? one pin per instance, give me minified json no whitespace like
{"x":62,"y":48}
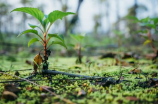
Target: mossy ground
{"x":95,"y":94}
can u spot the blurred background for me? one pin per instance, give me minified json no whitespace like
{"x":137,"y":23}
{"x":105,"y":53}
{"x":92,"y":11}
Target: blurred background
{"x":102,"y":22}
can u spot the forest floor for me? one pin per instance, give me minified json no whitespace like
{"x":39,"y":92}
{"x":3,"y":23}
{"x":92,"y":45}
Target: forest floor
{"x":128,"y":81}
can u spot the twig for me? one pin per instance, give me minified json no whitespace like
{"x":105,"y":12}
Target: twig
{"x":66,"y":100}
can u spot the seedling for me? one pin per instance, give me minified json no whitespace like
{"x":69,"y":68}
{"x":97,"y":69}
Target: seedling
{"x":78,"y":46}
{"x":46,"y":22}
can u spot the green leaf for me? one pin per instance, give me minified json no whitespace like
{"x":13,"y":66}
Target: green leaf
{"x":60,"y":43}
{"x":28,"y":31}
{"x":45,"y":23}
{"x":141,"y":31}
{"x":56,"y":36}
{"x":145,"y":20}
{"x":32,"y":41}
{"x":77,"y":37}
{"x":55,"y":15}
{"x":151,"y":25}
{"x":146,"y":42}
{"x":32,"y":11}
{"x":32,"y":26}
{"x":155,"y":20}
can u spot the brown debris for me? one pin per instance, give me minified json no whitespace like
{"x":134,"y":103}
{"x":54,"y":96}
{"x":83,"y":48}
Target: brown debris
{"x":9,"y":95}
{"x":81,"y":93}
{"x":28,"y":62}
{"x":132,"y":98}
{"x":47,"y":87}
{"x":11,"y":88}
{"x":135,"y":71}
{"x":17,"y":73}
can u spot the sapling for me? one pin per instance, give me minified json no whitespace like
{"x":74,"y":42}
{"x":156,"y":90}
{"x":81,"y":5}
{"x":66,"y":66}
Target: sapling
{"x":78,"y":46}
{"x":46,"y":22}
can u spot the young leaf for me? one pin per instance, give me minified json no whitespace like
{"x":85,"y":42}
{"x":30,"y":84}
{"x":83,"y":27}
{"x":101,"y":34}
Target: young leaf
{"x":55,"y":15}
{"x":28,"y":31}
{"x":146,"y":42}
{"x":55,"y":36}
{"x":32,"y":11}
{"x":60,"y":43}
{"x":45,"y":23}
{"x":32,"y":41}
{"x":32,"y":26}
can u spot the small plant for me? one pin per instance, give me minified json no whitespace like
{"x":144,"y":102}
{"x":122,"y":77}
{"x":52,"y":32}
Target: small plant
{"x":147,"y":24}
{"x":46,"y":22}
{"x":78,"y":46}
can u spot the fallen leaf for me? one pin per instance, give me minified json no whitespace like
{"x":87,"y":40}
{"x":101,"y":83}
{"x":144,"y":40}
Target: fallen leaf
{"x":154,"y":74}
{"x":81,"y":93}
{"x":17,"y":73}
{"x":9,"y":95}
{"x":91,"y":90}
{"x":135,"y":71}
{"x":37,"y":61}
{"x":47,"y":87}
{"x":132,"y":98}
{"x":121,"y":62}
{"x":28,"y":62}
{"x":150,"y":56}
{"x":108,"y":55}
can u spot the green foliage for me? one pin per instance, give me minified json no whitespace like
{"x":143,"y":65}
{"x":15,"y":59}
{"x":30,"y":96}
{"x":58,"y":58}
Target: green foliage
{"x":44,"y":21}
{"x":79,"y":38}
{"x":148,"y":23}
{"x":29,"y":31}
{"x":33,"y":26}
{"x":32,"y":41}
{"x":32,"y":11}
{"x":56,"y":36}
{"x":55,"y":15}
{"x":59,"y":42}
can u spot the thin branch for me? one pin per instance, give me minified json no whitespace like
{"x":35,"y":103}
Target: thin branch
{"x":47,"y":40}
{"x":66,"y":100}
{"x":49,"y":46}
{"x":41,"y":29}
{"x":40,"y":37}
{"x":41,"y":42}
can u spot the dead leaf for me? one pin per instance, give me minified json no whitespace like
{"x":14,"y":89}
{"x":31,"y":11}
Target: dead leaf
{"x":9,"y":95}
{"x":92,"y":90}
{"x":47,"y":87}
{"x":121,"y":62}
{"x":28,"y":62}
{"x":37,"y":61}
{"x":135,"y":71}
{"x":132,"y":98}
{"x":29,"y":88}
{"x":17,"y":73}
{"x":154,"y":74}
{"x":81,"y":93}
{"x":150,"y":56}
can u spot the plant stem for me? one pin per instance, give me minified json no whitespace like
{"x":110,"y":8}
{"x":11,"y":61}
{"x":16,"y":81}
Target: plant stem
{"x":45,"y":45}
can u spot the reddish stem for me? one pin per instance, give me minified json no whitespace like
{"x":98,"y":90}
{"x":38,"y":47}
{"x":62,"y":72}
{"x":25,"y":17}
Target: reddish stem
{"x":45,"y":45}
